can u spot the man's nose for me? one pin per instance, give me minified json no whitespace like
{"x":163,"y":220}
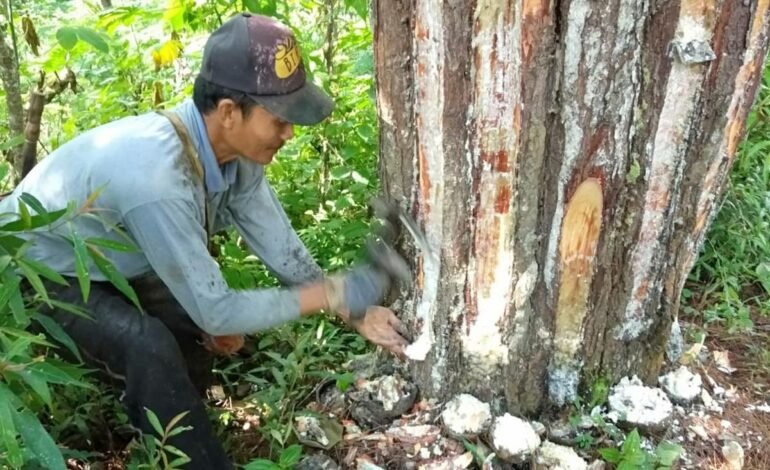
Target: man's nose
{"x":288,"y":131}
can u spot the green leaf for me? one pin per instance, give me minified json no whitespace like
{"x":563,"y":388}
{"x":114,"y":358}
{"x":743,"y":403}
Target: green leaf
{"x":290,"y":456}
{"x":261,"y":464}
{"x":39,"y":442}
{"x":9,"y":286}
{"x":178,"y":462}
{"x":67,"y":37}
{"x":33,"y":279}
{"x":93,"y":38}
{"x":154,"y":421}
{"x":112,"y":274}
{"x":44,"y":271}
{"x":668,"y":453}
{"x":112,"y":244}
{"x":174,"y":421}
{"x":37,"y":383}
{"x":55,"y":375}
{"x":33,"y":222}
{"x":7,"y":145}
{"x":8,"y":441}
{"x":178,"y":430}
{"x":610,"y":455}
{"x":56,"y":332}
{"x":278,"y":377}
{"x":173,"y":450}
{"x":26,"y":217}
{"x":632,"y":443}
{"x":175,"y":14}
{"x":32,"y":202}
{"x":81,"y":263}
{"x":359,"y":6}
{"x":71,"y":308}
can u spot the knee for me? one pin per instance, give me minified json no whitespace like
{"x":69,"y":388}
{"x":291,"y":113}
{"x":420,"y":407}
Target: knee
{"x":155,"y":344}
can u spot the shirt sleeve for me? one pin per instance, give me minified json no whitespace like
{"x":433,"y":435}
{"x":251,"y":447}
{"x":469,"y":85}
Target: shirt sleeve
{"x":267,"y":231}
{"x":173,"y":240}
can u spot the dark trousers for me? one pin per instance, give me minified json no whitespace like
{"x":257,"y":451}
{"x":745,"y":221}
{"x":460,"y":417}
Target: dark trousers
{"x":156,"y":356}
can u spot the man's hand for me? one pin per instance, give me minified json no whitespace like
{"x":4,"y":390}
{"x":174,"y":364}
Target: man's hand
{"x":381,"y":327}
{"x":357,"y":290}
{"x":223,"y":345}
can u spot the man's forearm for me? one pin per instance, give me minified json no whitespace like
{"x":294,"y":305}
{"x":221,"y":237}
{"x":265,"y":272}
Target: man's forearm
{"x":312,"y":299}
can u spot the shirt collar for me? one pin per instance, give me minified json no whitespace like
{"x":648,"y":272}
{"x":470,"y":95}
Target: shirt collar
{"x":218,"y":177}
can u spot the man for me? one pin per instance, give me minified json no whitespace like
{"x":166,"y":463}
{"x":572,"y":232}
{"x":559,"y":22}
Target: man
{"x":169,"y":181}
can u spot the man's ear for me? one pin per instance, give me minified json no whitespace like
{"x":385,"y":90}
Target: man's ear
{"x":228,"y":112}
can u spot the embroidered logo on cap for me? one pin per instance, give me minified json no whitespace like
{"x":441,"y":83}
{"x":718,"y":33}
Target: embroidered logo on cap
{"x":287,"y":58}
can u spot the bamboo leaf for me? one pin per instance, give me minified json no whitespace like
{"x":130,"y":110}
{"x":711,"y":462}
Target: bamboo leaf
{"x":26,"y":217}
{"x":154,"y":421}
{"x":33,"y":278}
{"x":81,"y":263}
{"x":8,"y":441}
{"x":38,"y":441}
{"x":112,"y":274}
{"x":112,"y":244}
{"x":32,"y":202}
{"x":56,"y":332}
{"x":71,"y":308}
{"x":44,"y":270}
{"x":9,"y":286}
{"x":175,"y":420}
{"x":56,"y":375}
{"x":34,"y":222}
{"x":37,"y":383}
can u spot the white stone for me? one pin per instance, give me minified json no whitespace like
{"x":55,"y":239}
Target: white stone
{"x":733,"y":454}
{"x":466,"y":415}
{"x":597,"y":465}
{"x":368,"y":466}
{"x":538,"y":427}
{"x":513,"y":438}
{"x":550,"y":456}
{"x":639,"y":405}
{"x":675,"y":345}
{"x":682,"y":385}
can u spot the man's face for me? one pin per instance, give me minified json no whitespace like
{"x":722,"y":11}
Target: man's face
{"x":258,"y":136}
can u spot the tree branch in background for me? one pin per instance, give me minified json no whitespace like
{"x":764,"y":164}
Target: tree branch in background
{"x":37,"y":101}
{"x":9,"y":74}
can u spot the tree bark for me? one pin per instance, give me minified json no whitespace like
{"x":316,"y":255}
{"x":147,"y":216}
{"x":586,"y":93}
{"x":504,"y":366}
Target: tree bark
{"x":9,"y":74}
{"x":565,"y":158}
{"x":37,"y":101}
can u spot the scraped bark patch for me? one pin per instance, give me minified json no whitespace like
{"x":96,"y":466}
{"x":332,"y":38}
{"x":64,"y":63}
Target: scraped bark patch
{"x":577,"y":251}
{"x":580,"y":234}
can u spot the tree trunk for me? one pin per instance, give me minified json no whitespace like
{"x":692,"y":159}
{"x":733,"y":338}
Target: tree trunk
{"x":565,"y":159}
{"x":9,"y":74}
{"x":106,"y":4}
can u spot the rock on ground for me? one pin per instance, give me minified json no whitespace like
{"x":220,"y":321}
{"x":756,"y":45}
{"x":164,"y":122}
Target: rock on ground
{"x":681,"y":385}
{"x":644,"y":407}
{"x":466,"y":416}
{"x":513,"y":438}
{"x":733,"y":454}
{"x":550,"y":456}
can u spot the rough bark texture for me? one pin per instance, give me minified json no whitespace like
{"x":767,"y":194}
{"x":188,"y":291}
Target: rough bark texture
{"x":9,"y":74}
{"x":37,"y":102}
{"x":565,"y":158}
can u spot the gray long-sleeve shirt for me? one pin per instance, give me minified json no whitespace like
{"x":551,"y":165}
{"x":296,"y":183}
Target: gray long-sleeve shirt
{"x":150,"y":190}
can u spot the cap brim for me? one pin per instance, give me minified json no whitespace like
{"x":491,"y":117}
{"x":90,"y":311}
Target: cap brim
{"x":307,"y":106}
